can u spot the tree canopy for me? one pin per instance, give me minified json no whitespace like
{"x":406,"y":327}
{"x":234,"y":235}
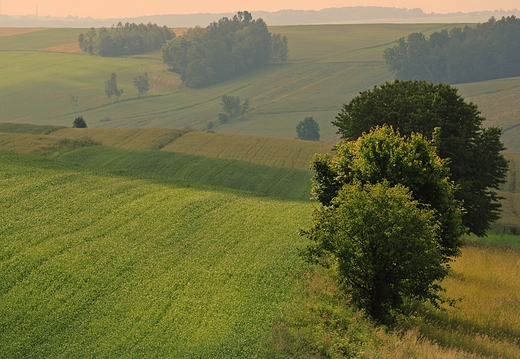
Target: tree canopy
{"x":308,"y":129}
{"x":487,"y":51}
{"x":141,"y":84}
{"x":79,"y":122}
{"x":130,"y":39}
{"x":111,"y":87}
{"x":473,"y":152}
{"x":223,"y":50}
{"x":388,"y":220}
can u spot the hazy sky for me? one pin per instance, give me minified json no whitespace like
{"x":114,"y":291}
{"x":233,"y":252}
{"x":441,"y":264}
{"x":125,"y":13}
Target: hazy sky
{"x":134,"y":8}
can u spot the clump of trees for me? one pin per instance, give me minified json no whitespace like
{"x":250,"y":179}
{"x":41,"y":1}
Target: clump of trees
{"x":79,"y":122}
{"x":308,"y":129}
{"x":414,"y":171}
{"x":223,"y":50}
{"x":388,"y":220}
{"x":487,"y":51}
{"x":232,"y":107}
{"x":128,"y":39}
{"x":476,"y":163}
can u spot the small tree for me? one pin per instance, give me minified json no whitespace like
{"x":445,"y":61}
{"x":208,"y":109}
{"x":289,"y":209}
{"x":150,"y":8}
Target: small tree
{"x":308,"y":129}
{"x":111,"y":87}
{"x":279,"y":48}
{"x":232,"y":108}
{"x":141,"y":84}
{"x":79,"y":122}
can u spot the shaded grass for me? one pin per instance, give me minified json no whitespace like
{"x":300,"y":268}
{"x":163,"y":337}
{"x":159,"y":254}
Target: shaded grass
{"x":98,"y":265}
{"x":261,"y":150}
{"x":263,"y":180}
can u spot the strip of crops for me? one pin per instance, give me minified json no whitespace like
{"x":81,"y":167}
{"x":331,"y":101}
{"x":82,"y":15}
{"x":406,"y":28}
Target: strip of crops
{"x":262,"y":150}
{"x":279,"y":182}
{"x":133,"y":138}
{"x":95,"y":265}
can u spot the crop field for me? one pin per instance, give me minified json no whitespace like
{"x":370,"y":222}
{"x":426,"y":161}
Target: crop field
{"x":110,"y":266}
{"x":268,"y":151}
{"x":25,"y":143}
{"x":286,"y":183}
{"x":328,"y":65}
{"x":131,"y":138}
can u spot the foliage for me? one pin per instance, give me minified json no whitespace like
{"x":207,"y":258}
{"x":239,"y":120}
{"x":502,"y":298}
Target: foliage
{"x":388,"y":219}
{"x":223,"y":50}
{"x":487,"y":51}
{"x":141,"y":84}
{"x":437,"y":111}
{"x":385,"y":244}
{"x":130,"y":39}
{"x":111,"y":87}
{"x":308,"y":129}
{"x":79,"y":122}
{"x":232,"y":107}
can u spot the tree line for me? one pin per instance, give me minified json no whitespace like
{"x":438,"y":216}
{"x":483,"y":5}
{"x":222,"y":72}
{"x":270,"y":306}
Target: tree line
{"x":223,"y":50}
{"x":488,"y":51}
{"x":128,"y":39}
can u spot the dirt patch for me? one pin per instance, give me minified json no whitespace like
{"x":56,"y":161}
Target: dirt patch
{"x":10,"y":31}
{"x":69,"y":48}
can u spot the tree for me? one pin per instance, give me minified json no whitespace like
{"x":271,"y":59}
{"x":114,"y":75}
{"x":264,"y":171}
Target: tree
{"x":232,"y":107}
{"x":308,"y":129}
{"x":111,"y":87}
{"x":141,"y":84}
{"x":388,"y":220}
{"x":79,"y":122}
{"x":474,"y":152}
{"x":279,"y":48}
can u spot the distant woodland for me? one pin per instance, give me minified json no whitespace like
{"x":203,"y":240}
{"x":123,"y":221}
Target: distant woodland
{"x":223,"y":50}
{"x":490,"y":50}
{"x":128,"y":39}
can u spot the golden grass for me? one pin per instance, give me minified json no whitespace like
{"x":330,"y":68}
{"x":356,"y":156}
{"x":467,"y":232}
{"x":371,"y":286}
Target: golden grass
{"x":10,"y":31}
{"x":130,"y":138}
{"x":269,"y":151}
{"x":66,"y":48}
{"x":487,"y":319}
{"x":25,"y":143}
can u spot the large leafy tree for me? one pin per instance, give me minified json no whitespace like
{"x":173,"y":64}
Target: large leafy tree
{"x":388,"y":221}
{"x":473,"y":152}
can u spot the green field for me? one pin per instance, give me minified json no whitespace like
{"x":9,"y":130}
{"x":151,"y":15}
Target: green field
{"x":328,"y":65}
{"x":103,"y":265}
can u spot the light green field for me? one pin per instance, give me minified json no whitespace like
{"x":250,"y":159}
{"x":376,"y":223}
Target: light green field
{"x":328,"y":65}
{"x":113,"y":266}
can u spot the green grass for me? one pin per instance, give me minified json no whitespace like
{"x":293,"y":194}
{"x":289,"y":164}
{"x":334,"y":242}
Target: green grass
{"x":328,"y":65}
{"x":121,"y":266}
{"x":287,"y":183}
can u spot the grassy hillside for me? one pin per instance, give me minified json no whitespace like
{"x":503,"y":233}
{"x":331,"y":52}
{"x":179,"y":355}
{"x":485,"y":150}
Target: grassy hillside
{"x":329,"y":64}
{"x":101,"y":265}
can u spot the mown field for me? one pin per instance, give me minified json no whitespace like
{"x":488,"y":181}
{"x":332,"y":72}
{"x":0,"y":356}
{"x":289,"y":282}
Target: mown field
{"x":328,"y":65}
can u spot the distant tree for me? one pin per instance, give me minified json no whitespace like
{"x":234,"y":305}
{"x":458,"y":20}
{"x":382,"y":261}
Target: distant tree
{"x":128,"y":39}
{"x":111,"y":87}
{"x":232,"y":107}
{"x":141,"y":84}
{"x":475,"y":152}
{"x":79,"y":122}
{"x":308,"y":129}
{"x":279,"y":48}
{"x":74,"y":100}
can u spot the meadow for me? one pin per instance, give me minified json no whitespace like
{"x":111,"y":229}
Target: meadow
{"x":142,"y":236}
{"x":328,"y":65}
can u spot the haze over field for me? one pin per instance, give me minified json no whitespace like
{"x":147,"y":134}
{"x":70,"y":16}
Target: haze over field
{"x":134,"y":8}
